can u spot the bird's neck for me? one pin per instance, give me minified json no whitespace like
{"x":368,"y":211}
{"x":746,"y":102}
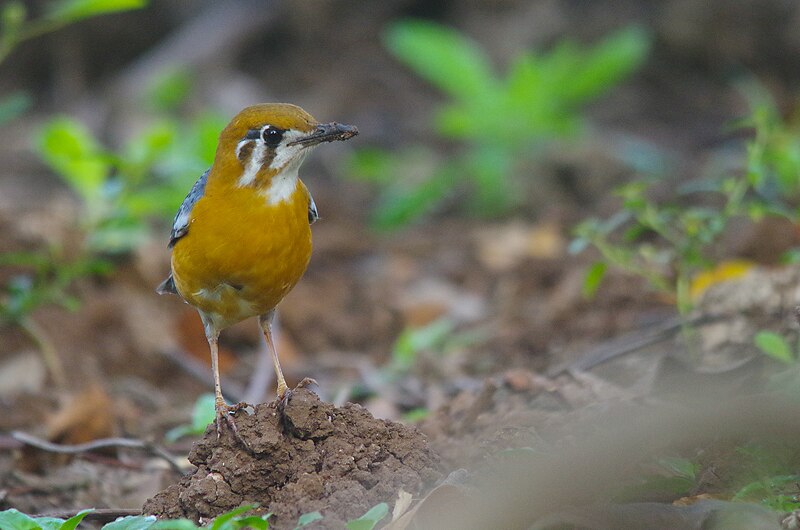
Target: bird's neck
{"x":275,"y":186}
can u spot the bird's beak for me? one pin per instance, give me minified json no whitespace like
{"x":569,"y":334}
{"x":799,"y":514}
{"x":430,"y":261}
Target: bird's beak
{"x":327,"y":132}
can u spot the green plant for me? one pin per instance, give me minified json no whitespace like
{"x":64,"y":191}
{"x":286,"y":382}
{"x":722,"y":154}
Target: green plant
{"x":46,"y":280}
{"x":369,"y":520}
{"x":202,"y":414}
{"x":667,"y":476}
{"x":773,"y":155}
{"x":669,"y":242}
{"x":16,"y":28}
{"x":776,"y":347}
{"x":15,"y":520}
{"x":764,"y":468}
{"x":307,"y":518}
{"x":439,"y":337}
{"x":232,"y":520}
{"x":665,"y":243}
{"x":122,"y":192}
{"x":499,"y":124}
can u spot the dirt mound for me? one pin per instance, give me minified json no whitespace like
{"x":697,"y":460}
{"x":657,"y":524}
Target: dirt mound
{"x":314,"y":457}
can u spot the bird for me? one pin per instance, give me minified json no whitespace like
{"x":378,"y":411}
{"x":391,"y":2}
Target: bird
{"x":241,"y":239}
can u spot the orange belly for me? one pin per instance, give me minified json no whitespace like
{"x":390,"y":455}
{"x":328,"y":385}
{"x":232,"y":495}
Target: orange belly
{"x":241,"y":255}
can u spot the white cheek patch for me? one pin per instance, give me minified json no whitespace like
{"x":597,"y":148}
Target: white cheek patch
{"x":287,"y":161}
{"x":284,"y":153}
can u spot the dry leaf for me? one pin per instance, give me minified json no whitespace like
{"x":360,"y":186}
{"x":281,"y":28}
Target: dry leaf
{"x":725,"y":271}
{"x":504,"y":247}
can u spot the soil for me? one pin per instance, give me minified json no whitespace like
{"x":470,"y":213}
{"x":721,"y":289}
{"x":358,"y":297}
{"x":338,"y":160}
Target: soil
{"x":528,"y":351}
{"x":301,"y":457}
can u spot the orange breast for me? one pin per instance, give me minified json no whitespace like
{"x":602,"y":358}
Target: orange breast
{"x":242,"y":255}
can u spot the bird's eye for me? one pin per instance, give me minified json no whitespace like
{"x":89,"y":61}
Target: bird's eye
{"x":272,"y":135}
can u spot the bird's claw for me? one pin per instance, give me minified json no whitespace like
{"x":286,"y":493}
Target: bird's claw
{"x":225,"y":415}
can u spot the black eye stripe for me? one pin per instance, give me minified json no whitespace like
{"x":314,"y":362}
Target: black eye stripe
{"x":253,"y":134}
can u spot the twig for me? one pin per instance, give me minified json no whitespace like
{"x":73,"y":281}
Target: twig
{"x":102,"y":443}
{"x":48,"y":351}
{"x":632,"y":342}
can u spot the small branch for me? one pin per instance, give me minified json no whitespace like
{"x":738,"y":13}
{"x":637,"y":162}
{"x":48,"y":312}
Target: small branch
{"x":48,"y":351}
{"x":102,"y":443}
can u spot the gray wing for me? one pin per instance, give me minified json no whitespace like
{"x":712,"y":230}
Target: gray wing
{"x":312,"y":210}
{"x":180,"y":226}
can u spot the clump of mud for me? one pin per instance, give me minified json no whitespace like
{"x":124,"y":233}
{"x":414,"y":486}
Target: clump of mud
{"x":313,"y":457}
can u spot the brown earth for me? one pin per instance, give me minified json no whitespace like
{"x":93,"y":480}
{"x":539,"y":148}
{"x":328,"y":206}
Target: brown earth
{"x":311,"y":456}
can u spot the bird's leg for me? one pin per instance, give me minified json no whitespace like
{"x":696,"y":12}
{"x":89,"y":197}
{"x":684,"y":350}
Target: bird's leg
{"x":223,"y":411}
{"x":266,"y":325}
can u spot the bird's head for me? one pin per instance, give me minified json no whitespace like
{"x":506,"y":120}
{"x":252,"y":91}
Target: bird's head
{"x":271,"y":140}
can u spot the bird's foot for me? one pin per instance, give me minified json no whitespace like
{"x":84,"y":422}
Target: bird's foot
{"x":225,"y":414}
{"x":285,"y":394}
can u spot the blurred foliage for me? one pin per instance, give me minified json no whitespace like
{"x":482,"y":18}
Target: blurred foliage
{"x":369,"y":520}
{"x":671,"y":476}
{"x":438,"y":337}
{"x":14,"y":520}
{"x":123,"y":191}
{"x":763,"y":469}
{"x":47,"y":281}
{"x":203,"y":414}
{"x":233,"y":520}
{"x":499,"y":124}
{"x":14,"y":105}
{"x":670,"y":242}
{"x":307,"y":518}
{"x":775,"y":346}
{"x":755,"y":472}
{"x":16,"y":28}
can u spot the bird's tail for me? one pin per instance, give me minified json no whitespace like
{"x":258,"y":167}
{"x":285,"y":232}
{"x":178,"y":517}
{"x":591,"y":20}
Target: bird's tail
{"x":167,"y":286}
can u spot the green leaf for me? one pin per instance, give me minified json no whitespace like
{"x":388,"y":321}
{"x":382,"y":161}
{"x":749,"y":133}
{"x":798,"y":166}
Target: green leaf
{"x":14,"y":105}
{"x":680,"y":467}
{"x":608,"y":63}
{"x":221,"y":522}
{"x":416,"y":415}
{"x":307,"y":518}
{"x":202,"y":414}
{"x":253,"y":522}
{"x":177,"y":524}
{"x":762,"y":490}
{"x":73,"y":522}
{"x":12,"y":21}
{"x":70,"y":149}
{"x":134,"y":522}
{"x":775,"y":346}
{"x":494,"y":193}
{"x":369,"y":519}
{"x":15,"y":520}
{"x":372,"y":165}
{"x":443,"y":56}
{"x":169,"y":89}
{"x":74,"y":10}
{"x":400,"y":207}
{"x":593,"y":279}
{"x":413,"y":340}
